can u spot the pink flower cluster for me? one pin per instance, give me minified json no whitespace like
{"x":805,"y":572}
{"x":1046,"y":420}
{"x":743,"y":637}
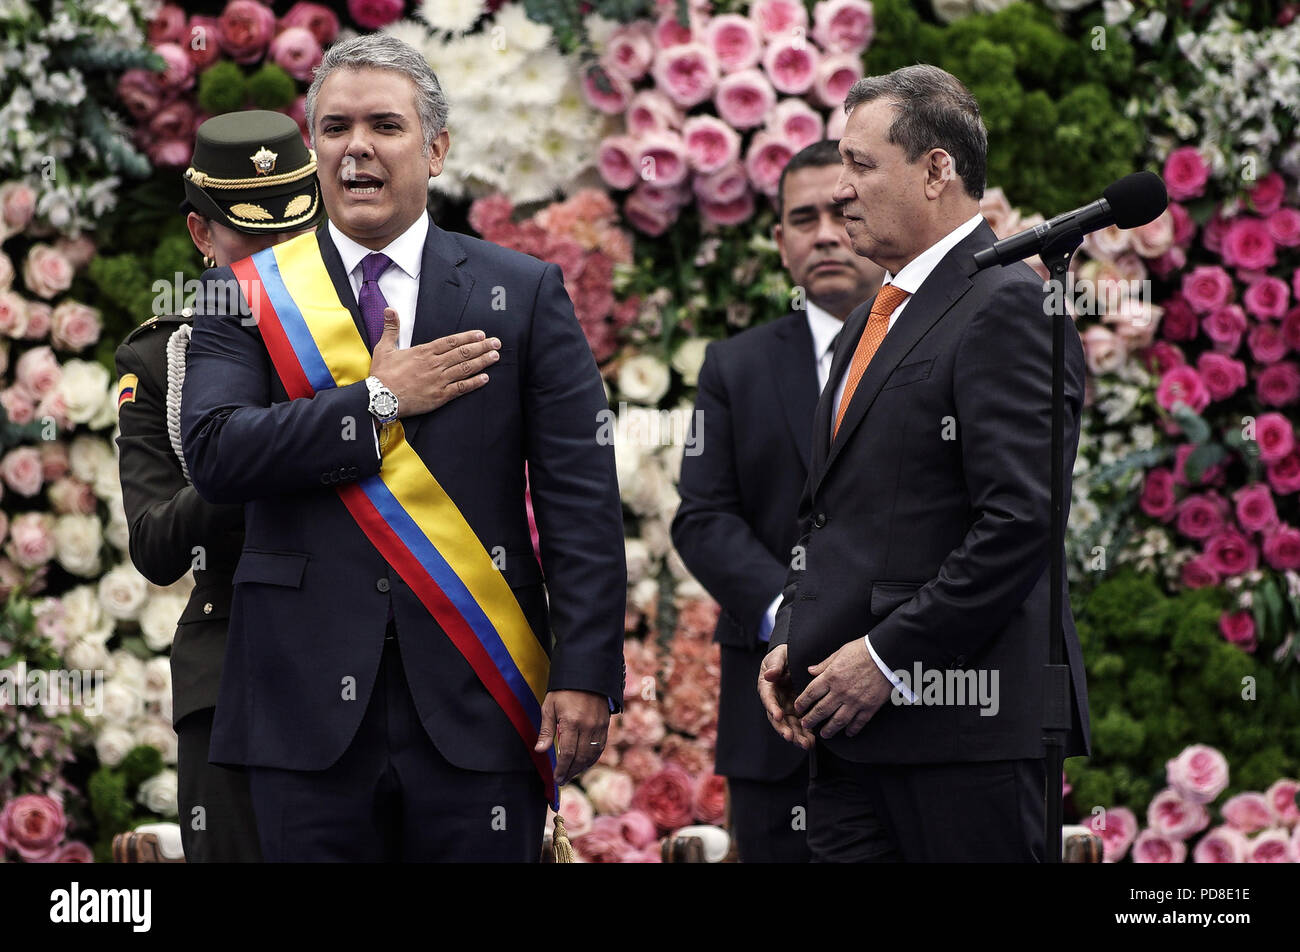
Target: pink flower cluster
{"x":246,"y":32}
{"x":713,"y":109}
{"x":582,"y":236}
{"x":1257,"y":827}
{"x":33,"y":827}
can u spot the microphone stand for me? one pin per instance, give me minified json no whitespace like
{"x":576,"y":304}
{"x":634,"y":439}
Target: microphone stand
{"x":1056,"y":255}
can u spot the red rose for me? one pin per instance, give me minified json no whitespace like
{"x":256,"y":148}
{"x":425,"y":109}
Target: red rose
{"x":1282,"y":548}
{"x":373,"y":14}
{"x":1291,"y":328}
{"x":667,"y":798}
{"x":1199,"y":573}
{"x":1284,"y":475}
{"x":1278,"y":385}
{"x":321,"y":21}
{"x":1200,"y":517}
{"x":1266,"y":343}
{"x":1223,"y":376}
{"x":1239,"y":629}
{"x":1231,"y":553}
{"x":1256,"y":510}
{"x":1158,"y":494}
{"x":244,"y":29}
{"x":1267,"y":194}
{"x":1162,"y":355}
{"x":1274,"y":435}
{"x":168,"y":25}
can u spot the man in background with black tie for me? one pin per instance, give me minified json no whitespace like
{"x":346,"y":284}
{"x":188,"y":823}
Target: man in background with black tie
{"x":736,"y":524}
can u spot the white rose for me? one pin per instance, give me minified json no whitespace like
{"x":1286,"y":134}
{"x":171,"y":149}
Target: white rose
{"x":108,"y":483}
{"x":657,"y":537}
{"x":87,"y":455}
{"x":689,"y":589}
{"x":84,"y":386}
{"x":126,"y":668}
{"x":157,"y":678}
{"x":671,"y":455}
{"x":158,"y":620}
{"x":82,"y":614}
{"x":122,"y":592}
{"x":106,"y":415}
{"x":158,"y":734}
{"x":637,"y":555}
{"x":1116,"y":11}
{"x":117,"y":533}
{"x":992,"y":6}
{"x":643,"y":494}
{"x":688,"y":358}
{"x":86,"y":655}
{"x":122,"y":702}
{"x":643,"y":379}
{"x":165,"y":707}
{"x":949,"y":10}
{"x":1067,"y":5}
{"x":158,"y":794}
{"x":77,"y":540}
{"x":112,"y":744}
{"x":644,"y":596}
{"x":628,"y":453}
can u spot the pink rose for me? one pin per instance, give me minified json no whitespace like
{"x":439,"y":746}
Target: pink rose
{"x":1238,"y":628}
{"x":1247,"y":812}
{"x":835,"y":77}
{"x":1267,"y":298}
{"x":711,"y":799}
{"x":68,"y":495}
{"x":1271,"y":846}
{"x":616,"y":161}
{"x":1212,"y":234}
{"x":1247,"y":244}
{"x":39,"y":317}
{"x":1267,"y":194}
{"x":1102,"y":350}
{"x":38,"y":371}
{"x":1291,"y":327}
{"x":31,"y":539}
{"x":1266,"y":343}
{"x":645,"y":217}
{"x":1151,"y":847}
{"x":17,"y":205}
{"x":1162,"y":355}
{"x":373,"y":14}
{"x":1154,"y":238}
{"x":791,"y":63}
{"x":1170,"y":815}
{"x":733,"y":212}
{"x":1275,"y":436}
{"x":172,"y":153}
{"x":711,"y":144}
{"x":689,"y":707}
{"x":576,"y":810}
{"x":1284,"y":475}
{"x":766,"y":158}
{"x":1184,"y":226}
{"x":604,"y":843}
{"x":1200,"y":517}
{"x":1222,"y":375}
{"x":661,"y":159}
{"x":724,"y":186}
{"x":1199,"y":773}
{"x":1278,"y":385}
{"x":640,"y":762}
{"x":1207,"y":287}
{"x":1225,"y":326}
{"x":202,"y":42}
{"x":664,"y":198}
{"x":734,"y":40}
{"x":13,"y":314}
{"x":46,"y":271}
{"x":54,"y":459}
{"x":1199,"y":573}
{"x":629,"y":51}
{"x":1180,"y":321}
{"x":1284,"y":227}
{"x":1185,"y":173}
{"x":18,"y":404}
{"x":33,"y":825}
{"x":1282,"y":548}
{"x":667,"y":798}
{"x":1231,"y":553}
{"x":642,"y":723}
{"x":79,"y":250}
{"x":843,"y":26}
{"x":1182,"y":385}
{"x":1135,"y":322}
{"x":638,"y":829}
{"x":744,"y":99}
{"x":1158,"y":494}
{"x":797,"y":122}
{"x":320,"y":20}
{"x":606,"y":91}
{"x":74,"y":852}
{"x":652,"y":111}
{"x":176,"y":120}
{"x":1209,"y":477}
{"x":140,"y":91}
{"x":245,"y":28}
{"x":668,"y":32}
{"x":777,"y":19}
{"x":688,"y":73}
{"x":1281,"y":802}
{"x":296,"y":52}
{"x":167,"y":25}
{"x":178,"y":73}
{"x":1223,"y":844}
{"x":1256,"y":510}
{"x":21,"y":470}
{"x":610,"y":791}
{"x":1175,"y":259}
{"x":1117,"y":827}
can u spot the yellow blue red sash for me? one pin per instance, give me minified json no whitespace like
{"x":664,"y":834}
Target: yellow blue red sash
{"x":315,"y":345}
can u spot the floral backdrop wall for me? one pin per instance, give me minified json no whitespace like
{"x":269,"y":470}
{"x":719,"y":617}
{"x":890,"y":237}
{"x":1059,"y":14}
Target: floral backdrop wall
{"x":638,"y":144}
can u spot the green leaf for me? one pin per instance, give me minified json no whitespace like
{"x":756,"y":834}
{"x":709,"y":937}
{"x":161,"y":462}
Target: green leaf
{"x":1201,"y":459}
{"x":1191,"y":423}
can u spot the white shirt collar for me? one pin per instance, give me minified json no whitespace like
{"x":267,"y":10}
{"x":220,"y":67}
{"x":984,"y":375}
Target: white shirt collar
{"x":824,"y":327}
{"x":918,"y":269}
{"x":406,"y":250}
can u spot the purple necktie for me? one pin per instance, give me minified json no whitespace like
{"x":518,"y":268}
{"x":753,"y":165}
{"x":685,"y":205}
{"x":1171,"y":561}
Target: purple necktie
{"x":371,"y":298}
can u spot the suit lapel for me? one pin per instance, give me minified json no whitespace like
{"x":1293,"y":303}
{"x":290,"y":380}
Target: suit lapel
{"x":342,"y":284}
{"x":933,"y":299}
{"x":854,"y":325}
{"x":797,"y":390}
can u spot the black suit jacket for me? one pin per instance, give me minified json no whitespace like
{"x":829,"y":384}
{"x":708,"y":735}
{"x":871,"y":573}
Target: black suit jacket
{"x":737,"y":520}
{"x":312,"y":594}
{"x":925,"y":522}
{"x":168,"y":520}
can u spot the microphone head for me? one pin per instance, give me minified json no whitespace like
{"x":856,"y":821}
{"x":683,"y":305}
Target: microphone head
{"x":1136,"y":199}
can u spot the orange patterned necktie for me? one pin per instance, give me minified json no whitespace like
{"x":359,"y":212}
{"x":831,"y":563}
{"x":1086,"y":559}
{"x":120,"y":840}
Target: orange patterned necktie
{"x":887,"y":301}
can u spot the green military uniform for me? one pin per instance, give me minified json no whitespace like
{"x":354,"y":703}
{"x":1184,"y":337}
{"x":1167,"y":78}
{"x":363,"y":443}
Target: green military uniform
{"x":251,"y":173}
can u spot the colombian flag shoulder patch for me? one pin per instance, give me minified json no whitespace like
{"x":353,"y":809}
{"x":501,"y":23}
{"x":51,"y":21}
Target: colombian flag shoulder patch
{"x":126,"y":389}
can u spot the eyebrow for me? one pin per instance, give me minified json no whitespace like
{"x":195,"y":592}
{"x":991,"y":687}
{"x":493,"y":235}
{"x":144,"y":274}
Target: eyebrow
{"x":810,"y":209}
{"x":373,"y":117}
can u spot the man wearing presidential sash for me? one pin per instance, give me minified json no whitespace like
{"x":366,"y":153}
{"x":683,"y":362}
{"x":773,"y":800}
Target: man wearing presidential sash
{"x":404,"y":680}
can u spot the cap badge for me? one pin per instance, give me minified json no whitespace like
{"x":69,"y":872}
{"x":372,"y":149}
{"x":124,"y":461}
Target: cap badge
{"x":264,"y":160}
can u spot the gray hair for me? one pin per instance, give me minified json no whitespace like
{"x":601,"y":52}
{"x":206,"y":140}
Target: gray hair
{"x":383,"y":51}
{"x":933,"y":110}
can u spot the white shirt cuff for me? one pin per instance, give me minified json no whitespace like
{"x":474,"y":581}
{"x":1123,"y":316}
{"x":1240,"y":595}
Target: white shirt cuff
{"x":768,"y":621}
{"x":896,"y":681}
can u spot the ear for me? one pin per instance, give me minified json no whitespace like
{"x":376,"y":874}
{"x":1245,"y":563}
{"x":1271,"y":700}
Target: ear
{"x":438,"y":152}
{"x":940,"y":172}
{"x":201,"y":234}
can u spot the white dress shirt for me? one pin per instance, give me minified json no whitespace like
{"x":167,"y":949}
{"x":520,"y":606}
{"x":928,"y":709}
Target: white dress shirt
{"x":400,"y":284}
{"x":824,"y":328}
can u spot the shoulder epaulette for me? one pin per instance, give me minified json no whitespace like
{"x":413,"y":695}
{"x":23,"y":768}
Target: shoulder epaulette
{"x":186,"y":316}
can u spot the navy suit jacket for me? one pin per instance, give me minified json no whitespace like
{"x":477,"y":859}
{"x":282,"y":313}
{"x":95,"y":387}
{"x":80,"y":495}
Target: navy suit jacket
{"x":312,"y":594}
{"x":737,"y":521}
{"x":925,"y":522}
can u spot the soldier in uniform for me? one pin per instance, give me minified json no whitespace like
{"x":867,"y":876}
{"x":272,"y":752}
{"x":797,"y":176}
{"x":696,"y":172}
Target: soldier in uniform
{"x":252,"y":184}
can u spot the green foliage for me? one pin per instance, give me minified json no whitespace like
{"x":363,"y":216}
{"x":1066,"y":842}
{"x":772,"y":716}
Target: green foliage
{"x":271,"y":87}
{"x":565,"y":17}
{"x":1162,"y":677}
{"x":222,"y":88}
{"x":112,"y":792}
{"x":1056,"y":135}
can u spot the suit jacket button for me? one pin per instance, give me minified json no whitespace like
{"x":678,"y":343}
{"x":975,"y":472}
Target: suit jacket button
{"x":958,"y":661}
{"x":207,"y":608}
{"x":820,"y":520}
{"x":382,"y":584}
{"x":325,"y":478}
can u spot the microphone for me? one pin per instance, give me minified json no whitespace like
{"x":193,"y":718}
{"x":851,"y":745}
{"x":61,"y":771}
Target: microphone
{"x":1132,"y":201}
